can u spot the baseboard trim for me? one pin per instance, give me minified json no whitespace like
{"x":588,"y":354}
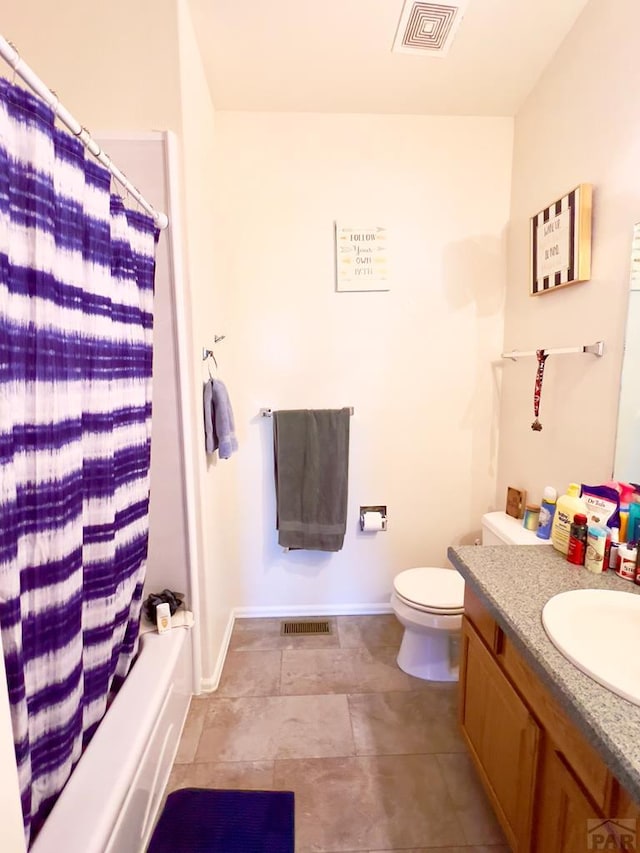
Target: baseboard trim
{"x":312,"y":610}
{"x":210,"y":684}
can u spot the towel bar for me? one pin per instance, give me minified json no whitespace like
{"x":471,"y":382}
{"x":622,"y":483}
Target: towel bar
{"x":596,"y":349}
{"x":266,"y":413}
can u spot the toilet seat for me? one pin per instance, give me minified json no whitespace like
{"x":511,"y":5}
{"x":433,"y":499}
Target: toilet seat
{"x":431,"y":589}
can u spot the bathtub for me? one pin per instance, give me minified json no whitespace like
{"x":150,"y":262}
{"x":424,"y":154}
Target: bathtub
{"x":111,"y":801}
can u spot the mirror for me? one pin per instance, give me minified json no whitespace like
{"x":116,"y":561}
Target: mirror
{"x":626,"y":466}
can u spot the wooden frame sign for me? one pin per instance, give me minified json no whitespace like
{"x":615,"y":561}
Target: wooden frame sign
{"x":561,"y":242}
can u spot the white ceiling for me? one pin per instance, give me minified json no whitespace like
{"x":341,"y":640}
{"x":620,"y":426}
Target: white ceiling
{"x":335,"y":56}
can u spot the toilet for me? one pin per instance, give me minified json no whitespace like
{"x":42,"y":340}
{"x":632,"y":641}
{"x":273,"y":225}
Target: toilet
{"x":429,"y":602}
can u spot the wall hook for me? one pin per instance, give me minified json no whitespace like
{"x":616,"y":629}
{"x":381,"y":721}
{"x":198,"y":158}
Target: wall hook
{"x":208,"y":353}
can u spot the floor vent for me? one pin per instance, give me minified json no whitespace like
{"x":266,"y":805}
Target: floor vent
{"x":299,"y":628}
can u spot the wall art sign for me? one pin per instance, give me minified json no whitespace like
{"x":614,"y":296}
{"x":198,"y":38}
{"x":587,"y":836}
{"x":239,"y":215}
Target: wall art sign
{"x":561,"y":242}
{"x":361,"y":258}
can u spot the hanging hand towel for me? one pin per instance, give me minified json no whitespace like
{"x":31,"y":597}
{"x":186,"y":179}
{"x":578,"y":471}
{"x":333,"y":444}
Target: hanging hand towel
{"x":209,"y":433}
{"x":219,"y":425}
{"x":311,"y":456}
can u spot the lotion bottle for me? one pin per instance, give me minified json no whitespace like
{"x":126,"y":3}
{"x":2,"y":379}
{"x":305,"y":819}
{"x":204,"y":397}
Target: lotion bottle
{"x":163,"y":617}
{"x":566,"y":507}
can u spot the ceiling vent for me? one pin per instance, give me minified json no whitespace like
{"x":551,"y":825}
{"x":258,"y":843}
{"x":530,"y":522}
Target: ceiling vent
{"x":428,"y":28}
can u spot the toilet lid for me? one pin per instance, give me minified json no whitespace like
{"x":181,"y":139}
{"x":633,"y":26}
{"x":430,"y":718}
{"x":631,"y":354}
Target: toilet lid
{"x":440,"y":590}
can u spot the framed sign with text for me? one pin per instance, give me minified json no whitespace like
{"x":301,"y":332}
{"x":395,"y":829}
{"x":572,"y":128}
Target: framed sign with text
{"x":361,"y":257}
{"x":561,"y":242}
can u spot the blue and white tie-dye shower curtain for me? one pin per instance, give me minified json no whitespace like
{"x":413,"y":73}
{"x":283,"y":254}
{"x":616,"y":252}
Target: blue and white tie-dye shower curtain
{"x":76,"y":300}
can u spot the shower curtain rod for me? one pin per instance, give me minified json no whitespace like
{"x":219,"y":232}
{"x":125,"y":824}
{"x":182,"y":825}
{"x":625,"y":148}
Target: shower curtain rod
{"x":12,"y":58}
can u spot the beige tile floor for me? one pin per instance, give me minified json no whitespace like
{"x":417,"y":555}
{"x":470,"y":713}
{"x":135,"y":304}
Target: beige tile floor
{"x":374,"y":756}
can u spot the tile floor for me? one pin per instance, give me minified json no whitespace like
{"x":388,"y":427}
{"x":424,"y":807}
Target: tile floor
{"x":373,"y":755}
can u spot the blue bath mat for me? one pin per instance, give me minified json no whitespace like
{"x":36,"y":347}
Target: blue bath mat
{"x":199,"y":820}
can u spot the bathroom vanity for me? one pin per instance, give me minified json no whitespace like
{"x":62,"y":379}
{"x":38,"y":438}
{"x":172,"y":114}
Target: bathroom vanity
{"x":557,"y":753}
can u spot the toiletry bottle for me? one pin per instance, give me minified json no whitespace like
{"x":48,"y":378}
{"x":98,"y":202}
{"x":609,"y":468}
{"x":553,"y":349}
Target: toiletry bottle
{"x":547,"y":511}
{"x":163,"y":617}
{"x":596,"y":556}
{"x":626,"y":493}
{"x":633,"y":524}
{"x":566,"y":507}
{"x":577,"y":539}
{"x":614,"y":557}
{"x":627,"y":561}
{"x":532,"y":516}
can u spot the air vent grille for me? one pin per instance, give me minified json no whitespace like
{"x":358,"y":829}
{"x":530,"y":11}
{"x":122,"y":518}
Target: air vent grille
{"x":304,"y":628}
{"x":427,"y":27}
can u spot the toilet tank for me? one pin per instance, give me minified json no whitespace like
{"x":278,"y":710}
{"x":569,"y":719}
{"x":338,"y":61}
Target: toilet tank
{"x":498,"y":528}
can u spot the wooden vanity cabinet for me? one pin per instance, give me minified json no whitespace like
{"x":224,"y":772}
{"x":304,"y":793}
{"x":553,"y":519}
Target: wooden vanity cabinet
{"x":563,"y":809}
{"x":548,"y":786}
{"x":503,"y":738}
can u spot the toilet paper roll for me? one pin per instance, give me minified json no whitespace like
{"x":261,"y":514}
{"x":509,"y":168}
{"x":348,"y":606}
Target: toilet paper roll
{"x":373,"y":521}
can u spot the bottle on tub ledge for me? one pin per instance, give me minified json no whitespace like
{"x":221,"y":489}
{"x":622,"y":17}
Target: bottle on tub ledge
{"x":566,"y":507}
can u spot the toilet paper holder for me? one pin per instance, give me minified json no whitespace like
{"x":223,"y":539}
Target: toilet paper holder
{"x":377,"y":509}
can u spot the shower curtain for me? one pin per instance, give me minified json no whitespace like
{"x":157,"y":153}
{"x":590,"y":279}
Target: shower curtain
{"x":76,"y":302}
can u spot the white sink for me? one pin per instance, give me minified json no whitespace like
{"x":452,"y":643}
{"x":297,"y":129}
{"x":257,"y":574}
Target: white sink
{"x":598,"y":630}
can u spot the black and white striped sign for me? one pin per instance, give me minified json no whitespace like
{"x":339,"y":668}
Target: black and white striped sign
{"x":561,"y":242}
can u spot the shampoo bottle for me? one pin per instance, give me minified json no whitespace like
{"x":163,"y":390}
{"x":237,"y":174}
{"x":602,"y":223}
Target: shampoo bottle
{"x":566,"y":507}
{"x":547,"y":512}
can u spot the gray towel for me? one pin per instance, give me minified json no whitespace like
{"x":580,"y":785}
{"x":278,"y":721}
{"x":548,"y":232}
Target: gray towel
{"x":219,"y":425}
{"x":311,"y":456}
{"x":210,"y":442}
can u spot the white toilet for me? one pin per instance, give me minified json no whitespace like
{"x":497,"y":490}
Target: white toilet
{"x":429,"y":603}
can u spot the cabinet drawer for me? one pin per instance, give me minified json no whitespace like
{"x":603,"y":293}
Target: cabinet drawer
{"x":482,"y":621}
{"x":580,"y":755}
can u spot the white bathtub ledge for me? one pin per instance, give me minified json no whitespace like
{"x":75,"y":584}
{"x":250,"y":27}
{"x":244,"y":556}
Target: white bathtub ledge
{"x":90,"y":808}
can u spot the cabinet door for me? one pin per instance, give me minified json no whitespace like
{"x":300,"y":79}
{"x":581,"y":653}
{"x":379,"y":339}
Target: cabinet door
{"x":567,"y":820}
{"x":502,"y":737}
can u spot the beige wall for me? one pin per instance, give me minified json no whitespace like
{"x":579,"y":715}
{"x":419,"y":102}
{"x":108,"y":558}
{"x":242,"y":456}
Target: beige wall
{"x":206,"y":319}
{"x":414,"y":362}
{"x":114,"y":67}
{"x":580,"y":124}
